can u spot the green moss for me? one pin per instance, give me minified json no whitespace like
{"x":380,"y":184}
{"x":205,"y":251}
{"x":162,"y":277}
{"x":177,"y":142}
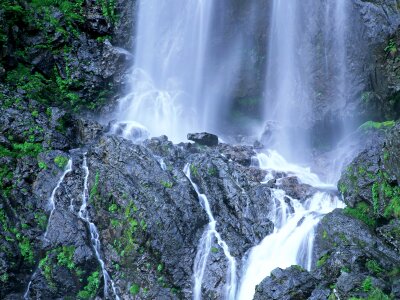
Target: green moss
{"x":322,"y":260}
{"x":94,"y":191}
{"x":113,"y":208}
{"x":375,"y":197}
{"x":167,"y":184}
{"x":362,"y":212}
{"x":27,"y":149}
{"x":367,"y":284}
{"x":212,"y":171}
{"x":65,"y":257}
{"x":134,"y":289}
{"x":214,"y":250}
{"x":91,"y":288}
{"x":371,"y":125}
{"x":41,"y":220}
{"x":42,"y":165}
{"x":193,"y":170}
{"x":373,"y":266}
{"x":26,"y":250}
{"x":61,"y":161}
{"x":108,"y":8}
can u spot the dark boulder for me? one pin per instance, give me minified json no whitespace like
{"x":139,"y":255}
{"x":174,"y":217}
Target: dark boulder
{"x":204,"y":138}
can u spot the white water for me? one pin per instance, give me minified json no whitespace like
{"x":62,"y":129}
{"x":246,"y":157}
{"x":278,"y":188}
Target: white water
{"x":204,"y":249}
{"x":84,"y":215}
{"x":26,"y":294}
{"x":167,"y":80}
{"x":52,"y":203}
{"x":307,"y":65}
{"x":292,"y":239}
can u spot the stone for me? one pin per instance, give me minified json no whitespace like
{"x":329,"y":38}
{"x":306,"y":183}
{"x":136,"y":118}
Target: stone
{"x":204,"y":138}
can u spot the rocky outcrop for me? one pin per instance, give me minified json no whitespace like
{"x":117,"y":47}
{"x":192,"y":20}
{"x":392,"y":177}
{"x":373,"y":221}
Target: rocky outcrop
{"x":356,"y":249}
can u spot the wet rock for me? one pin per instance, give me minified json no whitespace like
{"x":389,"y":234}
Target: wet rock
{"x":291,"y":283}
{"x":204,"y":138}
{"x":293,"y":188}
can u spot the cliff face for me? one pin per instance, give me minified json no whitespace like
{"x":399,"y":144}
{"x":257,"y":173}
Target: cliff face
{"x":63,"y":61}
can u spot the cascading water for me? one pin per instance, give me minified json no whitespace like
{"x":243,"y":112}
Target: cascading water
{"x":94,"y":234}
{"x":167,"y":79}
{"x":204,"y":249}
{"x":52,"y":203}
{"x":187,"y":64}
{"x":292,"y":239}
{"x":306,"y":67}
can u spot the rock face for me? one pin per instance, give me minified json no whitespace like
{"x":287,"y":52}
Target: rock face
{"x":291,"y":283}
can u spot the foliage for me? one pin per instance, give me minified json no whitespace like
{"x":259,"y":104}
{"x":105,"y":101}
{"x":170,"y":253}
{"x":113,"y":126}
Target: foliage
{"x":94,"y":191}
{"x":93,"y":284}
{"x":322,"y":260}
{"x":65,"y":257}
{"x":61,"y":161}
{"x":134,"y":289}
{"x":362,"y":212}
{"x":108,"y":8}
{"x":371,"y":125}
{"x":373,"y":266}
{"x":391,"y":47}
{"x":367,"y":284}
{"x":193,"y":170}
{"x":167,"y":184}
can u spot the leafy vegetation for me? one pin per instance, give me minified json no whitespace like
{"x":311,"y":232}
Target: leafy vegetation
{"x":371,"y":125}
{"x":362,"y":211}
{"x":93,"y":284}
{"x":322,"y":260}
{"x":134,"y":289}
{"x":61,"y":161}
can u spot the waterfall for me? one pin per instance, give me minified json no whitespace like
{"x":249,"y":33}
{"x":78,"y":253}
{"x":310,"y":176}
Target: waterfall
{"x":52,"y":203}
{"x":204,"y":249}
{"x":294,"y":221}
{"x":167,"y":78}
{"x":307,"y":66}
{"x":94,"y":234}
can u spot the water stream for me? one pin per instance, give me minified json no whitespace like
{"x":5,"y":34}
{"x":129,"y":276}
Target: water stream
{"x":52,"y":203}
{"x":291,"y":242}
{"x":204,"y":249}
{"x":51,"y":207}
{"x":84,"y":215}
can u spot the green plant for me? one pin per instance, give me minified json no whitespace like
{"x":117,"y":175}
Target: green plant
{"x":373,"y":266}
{"x":94,"y":191}
{"x":113,"y":208}
{"x":193,"y":170}
{"x":391,"y":47}
{"x":371,"y":125}
{"x":322,"y":260}
{"x":134,"y":289}
{"x":367,"y":284}
{"x":26,"y":249}
{"x":214,"y":250}
{"x":65,"y":257}
{"x":362,"y":212}
{"x":42,"y":165}
{"x":91,"y":288}
{"x":61,"y":161}
{"x":41,"y":220}
{"x":167,"y":184}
